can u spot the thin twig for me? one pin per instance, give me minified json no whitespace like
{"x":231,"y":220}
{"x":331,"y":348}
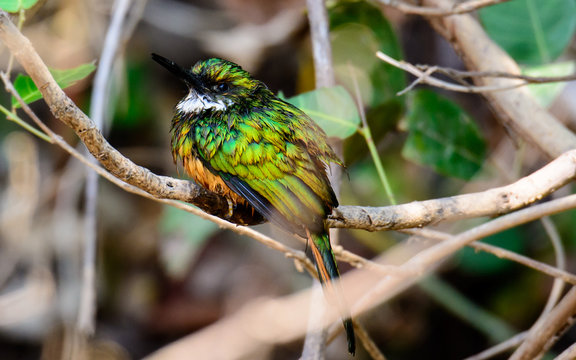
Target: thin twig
{"x":99,"y":106}
{"x":460,"y":75}
{"x":424,"y":77}
{"x":548,"y":329}
{"x":315,"y":340}
{"x":460,"y":8}
{"x":500,"y":348}
{"x":367,"y":134}
{"x":559,"y":252}
{"x":568,"y":354}
{"x":558,"y":273}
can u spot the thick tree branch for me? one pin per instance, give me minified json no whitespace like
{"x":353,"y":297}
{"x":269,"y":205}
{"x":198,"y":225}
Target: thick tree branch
{"x":269,"y":321}
{"x":491,"y":202}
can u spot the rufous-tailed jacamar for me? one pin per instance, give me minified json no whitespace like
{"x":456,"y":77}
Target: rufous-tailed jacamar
{"x":236,"y":138}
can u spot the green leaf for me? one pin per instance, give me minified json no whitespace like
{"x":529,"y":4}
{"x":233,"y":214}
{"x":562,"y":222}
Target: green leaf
{"x":65,"y":78}
{"x":531,"y":31}
{"x":184,"y":236}
{"x":442,"y":136}
{"x":358,"y":29}
{"x":15,"y":6}
{"x":546,"y":93}
{"x":331,"y":108}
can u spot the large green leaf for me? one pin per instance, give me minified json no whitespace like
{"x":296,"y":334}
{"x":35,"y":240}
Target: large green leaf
{"x":65,"y":78}
{"x":14,"y":6}
{"x":442,"y":136}
{"x":531,"y":31}
{"x":331,"y":108}
{"x":358,"y":29}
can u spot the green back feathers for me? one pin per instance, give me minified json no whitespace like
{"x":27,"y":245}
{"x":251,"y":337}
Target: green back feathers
{"x":272,"y":154}
{"x":265,"y":150}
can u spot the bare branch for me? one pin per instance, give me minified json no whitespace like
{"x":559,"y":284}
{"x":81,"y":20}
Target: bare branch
{"x":424,"y":73}
{"x":501,"y":253}
{"x":491,"y":202}
{"x":495,"y":201}
{"x":459,"y":8}
{"x":315,"y":341}
{"x":459,"y":75}
{"x":568,"y":354}
{"x":504,"y":346}
{"x":275,"y":321}
{"x":548,"y":329}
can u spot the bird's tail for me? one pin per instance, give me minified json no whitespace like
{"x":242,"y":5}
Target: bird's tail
{"x":328,"y":270}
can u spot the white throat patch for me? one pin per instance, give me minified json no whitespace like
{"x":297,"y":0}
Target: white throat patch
{"x":195,"y":103}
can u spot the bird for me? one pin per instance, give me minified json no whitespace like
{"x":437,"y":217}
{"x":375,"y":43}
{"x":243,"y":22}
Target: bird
{"x":235,"y":137}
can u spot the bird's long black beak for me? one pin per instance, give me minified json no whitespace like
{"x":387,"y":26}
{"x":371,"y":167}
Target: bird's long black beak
{"x":180,"y":72}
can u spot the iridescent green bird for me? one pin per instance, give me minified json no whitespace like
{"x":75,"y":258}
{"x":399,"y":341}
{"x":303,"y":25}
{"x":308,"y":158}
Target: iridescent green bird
{"x":236,"y":138}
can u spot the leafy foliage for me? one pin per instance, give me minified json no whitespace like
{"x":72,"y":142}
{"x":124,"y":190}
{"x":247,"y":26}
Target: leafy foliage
{"x":15,"y":6}
{"x":531,"y":31}
{"x":65,"y":78}
{"x":441,"y":135}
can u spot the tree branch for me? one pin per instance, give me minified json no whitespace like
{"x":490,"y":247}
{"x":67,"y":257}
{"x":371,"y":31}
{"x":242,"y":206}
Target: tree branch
{"x":275,"y":321}
{"x":495,"y":201}
{"x":459,"y":8}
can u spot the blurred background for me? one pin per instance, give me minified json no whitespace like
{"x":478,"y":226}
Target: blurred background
{"x":163,"y":273}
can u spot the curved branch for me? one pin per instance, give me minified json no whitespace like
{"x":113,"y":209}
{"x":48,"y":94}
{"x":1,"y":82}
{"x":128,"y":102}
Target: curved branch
{"x":66,"y":111}
{"x":459,"y":8}
{"x":496,"y":201}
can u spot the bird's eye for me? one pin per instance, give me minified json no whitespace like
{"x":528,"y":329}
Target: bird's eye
{"x":221,"y":87}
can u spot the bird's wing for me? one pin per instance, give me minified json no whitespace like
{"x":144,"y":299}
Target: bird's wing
{"x":274,"y":171}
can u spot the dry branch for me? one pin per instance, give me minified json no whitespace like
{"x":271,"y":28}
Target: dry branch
{"x":455,"y":9}
{"x":491,"y":202}
{"x":548,"y":329}
{"x":270,"y":321}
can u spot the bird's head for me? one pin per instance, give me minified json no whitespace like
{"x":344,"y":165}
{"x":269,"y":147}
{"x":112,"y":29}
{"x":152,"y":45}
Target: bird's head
{"x":213,"y":84}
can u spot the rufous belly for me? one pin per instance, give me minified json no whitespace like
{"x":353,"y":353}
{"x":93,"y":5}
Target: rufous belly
{"x":202,"y":176}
